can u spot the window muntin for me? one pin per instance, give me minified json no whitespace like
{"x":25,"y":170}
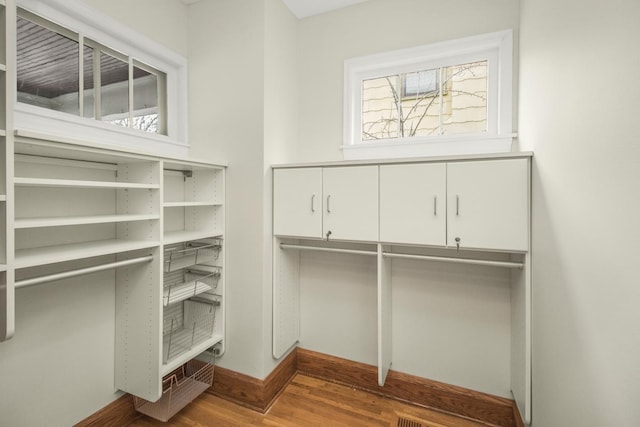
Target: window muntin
{"x":49,"y":77}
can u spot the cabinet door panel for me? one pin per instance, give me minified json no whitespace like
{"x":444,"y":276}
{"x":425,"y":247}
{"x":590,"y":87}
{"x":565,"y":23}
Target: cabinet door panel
{"x":351,"y":202}
{"x":488,"y":204}
{"x":413,"y":204}
{"x":297,"y":202}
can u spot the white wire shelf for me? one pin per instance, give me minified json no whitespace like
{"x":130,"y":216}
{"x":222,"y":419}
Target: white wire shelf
{"x":69,"y":252}
{"x":185,"y":284}
{"x":71,"y":183}
{"x":80,"y":220}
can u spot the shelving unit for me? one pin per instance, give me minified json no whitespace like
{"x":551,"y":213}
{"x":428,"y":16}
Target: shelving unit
{"x":467,"y":210}
{"x":7,"y":96}
{"x":74,"y":209}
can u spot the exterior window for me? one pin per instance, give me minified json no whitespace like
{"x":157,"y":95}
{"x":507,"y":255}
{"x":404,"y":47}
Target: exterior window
{"x":443,"y":101}
{"x":448,"y":98}
{"x":49,"y":61}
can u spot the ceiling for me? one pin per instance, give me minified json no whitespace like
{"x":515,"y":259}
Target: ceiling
{"x":305,"y":8}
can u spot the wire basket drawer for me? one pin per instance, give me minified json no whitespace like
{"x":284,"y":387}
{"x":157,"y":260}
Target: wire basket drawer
{"x":179,"y":388}
{"x":191,"y":253}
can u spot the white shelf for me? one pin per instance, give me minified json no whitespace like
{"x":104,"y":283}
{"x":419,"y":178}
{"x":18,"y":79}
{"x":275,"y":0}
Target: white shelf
{"x":171,"y":237}
{"x":177,"y":293}
{"x":79,"y":220}
{"x":3,"y":198}
{"x":60,"y":253}
{"x":2,"y":66}
{"x":3,"y":267}
{"x":3,"y":132}
{"x":43,"y":182}
{"x":189,"y":204}
{"x":188,"y":355}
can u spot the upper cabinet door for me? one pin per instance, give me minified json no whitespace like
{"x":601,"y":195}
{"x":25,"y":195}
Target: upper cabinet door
{"x":297,"y":202}
{"x":413,"y":206}
{"x":351,"y":203}
{"x":488,"y":204}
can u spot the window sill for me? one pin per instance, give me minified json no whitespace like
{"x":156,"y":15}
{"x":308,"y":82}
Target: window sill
{"x":36,"y":119}
{"x":436,"y":146}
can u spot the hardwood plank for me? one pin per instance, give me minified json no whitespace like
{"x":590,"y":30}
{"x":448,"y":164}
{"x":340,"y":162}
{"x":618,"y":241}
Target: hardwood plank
{"x":120,"y":412}
{"x":433,"y":394}
{"x":311,"y":402}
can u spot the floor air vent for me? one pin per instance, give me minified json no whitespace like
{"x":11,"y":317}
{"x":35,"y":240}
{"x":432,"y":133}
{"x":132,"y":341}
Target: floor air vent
{"x":405,"y":422}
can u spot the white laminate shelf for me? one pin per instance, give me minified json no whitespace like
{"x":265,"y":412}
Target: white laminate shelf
{"x":71,"y":183}
{"x":3,"y":267}
{"x":189,"y":204}
{"x":188,"y":355}
{"x":69,"y":252}
{"x":79,"y":220}
{"x":3,"y":67}
{"x":3,"y":132}
{"x":3,"y":198}
{"x":171,"y":237}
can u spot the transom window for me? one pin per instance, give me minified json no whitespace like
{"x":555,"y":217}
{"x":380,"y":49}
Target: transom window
{"x":440,"y":99}
{"x":100,"y":83}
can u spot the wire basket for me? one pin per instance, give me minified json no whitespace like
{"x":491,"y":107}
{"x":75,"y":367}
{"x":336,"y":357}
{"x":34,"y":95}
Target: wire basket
{"x":179,"y":388}
{"x":184,"y":284}
{"x":188,"y":324}
{"x":188,"y":254}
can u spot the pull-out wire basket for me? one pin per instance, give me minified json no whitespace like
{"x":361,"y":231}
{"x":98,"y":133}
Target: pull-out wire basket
{"x":184,"y":284}
{"x":188,"y":324}
{"x":188,"y":254}
{"x":179,"y":388}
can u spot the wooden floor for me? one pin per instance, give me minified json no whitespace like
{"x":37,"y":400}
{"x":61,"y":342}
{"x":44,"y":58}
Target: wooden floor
{"x":307,"y":401}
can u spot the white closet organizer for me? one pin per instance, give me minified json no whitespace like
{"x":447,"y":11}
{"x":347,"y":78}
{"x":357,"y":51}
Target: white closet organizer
{"x":7,"y":97}
{"x":158,"y":222}
{"x":462,"y":209}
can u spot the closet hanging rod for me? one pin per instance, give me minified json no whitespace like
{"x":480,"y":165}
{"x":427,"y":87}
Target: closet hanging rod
{"x":321,"y":249}
{"x":507,"y":264}
{"x":81,"y":271}
{"x":489,"y":263}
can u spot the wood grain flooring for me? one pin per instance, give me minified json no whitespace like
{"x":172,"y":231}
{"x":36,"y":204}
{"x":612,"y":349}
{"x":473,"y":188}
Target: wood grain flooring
{"x":308,"y":401}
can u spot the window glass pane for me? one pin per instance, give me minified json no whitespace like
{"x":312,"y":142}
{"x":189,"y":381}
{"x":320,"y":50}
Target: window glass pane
{"x":420,"y":106}
{"x":380,"y":108}
{"x":465,"y":98}
{"x":114,"y":90}
{"x":89,"y":95}
{"x":145,"y":100}
{"x":47,"y":68}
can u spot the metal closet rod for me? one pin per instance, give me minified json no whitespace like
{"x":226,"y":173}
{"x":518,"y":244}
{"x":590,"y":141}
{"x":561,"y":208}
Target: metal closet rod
{"x":81,"y":271}
{"x":490,"y":263}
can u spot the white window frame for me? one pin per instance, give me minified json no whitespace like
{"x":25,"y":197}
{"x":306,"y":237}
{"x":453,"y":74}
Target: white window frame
{"x":496,"y":48}
{"x":79,"y":17}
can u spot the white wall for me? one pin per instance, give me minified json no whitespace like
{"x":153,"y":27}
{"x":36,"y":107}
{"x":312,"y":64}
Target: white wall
{"x":226,"y":123}
{"x":249,"y":72}
{"x":579,"y":111}
{"x":450,"y":324}
{"x":371,"y":27}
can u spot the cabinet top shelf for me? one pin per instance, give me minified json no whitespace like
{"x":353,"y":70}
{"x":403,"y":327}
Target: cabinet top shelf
{"x":45,"y":182}
{"x":439,"y":159}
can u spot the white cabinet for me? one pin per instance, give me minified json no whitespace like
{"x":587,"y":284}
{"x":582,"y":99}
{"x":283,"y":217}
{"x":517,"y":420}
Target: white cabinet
{"x":424,"y":211}
{"x":297,"y":207}
{"x":467,"y":205}
{"x":413,"y":205}
{"x":351,"y":203}
{"x":488,"y":204}
{"x":326,"y":203}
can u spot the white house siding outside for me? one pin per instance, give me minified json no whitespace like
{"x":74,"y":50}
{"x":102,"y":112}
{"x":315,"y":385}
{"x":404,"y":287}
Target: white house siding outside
{"x":389,"y":113}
